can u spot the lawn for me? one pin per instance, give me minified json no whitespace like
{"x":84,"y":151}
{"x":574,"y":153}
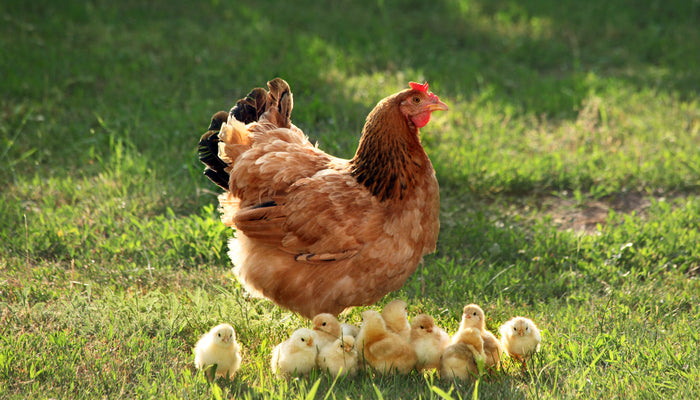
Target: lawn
{"x":569,"y":169}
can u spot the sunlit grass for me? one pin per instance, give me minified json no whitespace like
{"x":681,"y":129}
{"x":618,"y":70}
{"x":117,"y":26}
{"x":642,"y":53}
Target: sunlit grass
{"x":112,"y":256}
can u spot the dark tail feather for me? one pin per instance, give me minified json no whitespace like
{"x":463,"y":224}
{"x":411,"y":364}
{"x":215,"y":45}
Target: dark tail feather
{"x":250,"y":108}
{"x":280,"y":97}
{"x":209,"y":151}
{"x":247,"y":110}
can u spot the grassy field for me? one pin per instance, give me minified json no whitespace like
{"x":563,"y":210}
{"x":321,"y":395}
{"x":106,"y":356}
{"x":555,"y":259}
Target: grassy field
{"x":569,"y":166}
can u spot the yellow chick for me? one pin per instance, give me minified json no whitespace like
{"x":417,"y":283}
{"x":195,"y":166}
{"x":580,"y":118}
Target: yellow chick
{"x":461,"y":359}
{"x":327,"y":329}
{"x":520,"y":338}
{"x":383,"y":350}
{"x":296,"y":355}
{"x":396,"y":318}
{"x":473,"y":317}
{"x":428,"y":340}
{"x":219,"y":350}
{"x":339,"y":357}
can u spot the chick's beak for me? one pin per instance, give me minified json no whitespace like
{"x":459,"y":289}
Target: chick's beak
{"x":311,"y":342}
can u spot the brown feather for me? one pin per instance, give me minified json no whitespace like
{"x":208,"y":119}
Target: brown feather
{"x":316,"y":233}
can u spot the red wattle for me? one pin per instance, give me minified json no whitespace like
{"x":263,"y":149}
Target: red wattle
{"x":421,"y":119}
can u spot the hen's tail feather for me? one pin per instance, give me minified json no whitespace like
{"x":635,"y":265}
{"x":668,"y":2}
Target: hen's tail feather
{"x":278,"y":102}
{"x":281,"y":100}
{"x":250,"y":108}
{"x":209,"y":151}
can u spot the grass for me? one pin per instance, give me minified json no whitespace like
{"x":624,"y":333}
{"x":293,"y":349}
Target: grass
{"x":562,"y":116}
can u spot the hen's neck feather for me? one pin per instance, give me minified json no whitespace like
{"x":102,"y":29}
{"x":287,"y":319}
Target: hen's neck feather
{"x":389,"y":157}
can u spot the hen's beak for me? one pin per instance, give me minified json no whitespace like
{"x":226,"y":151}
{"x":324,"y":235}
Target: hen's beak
{"x":438,"y":106}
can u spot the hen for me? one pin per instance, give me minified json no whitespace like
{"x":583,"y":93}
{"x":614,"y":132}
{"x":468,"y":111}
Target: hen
{"x":316,"y":233}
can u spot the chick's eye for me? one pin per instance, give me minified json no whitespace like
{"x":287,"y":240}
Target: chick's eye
{"x":324,"y":324}
{"x":303,"y":340}
{"x":422,"y":327}
{"x":219,"y":334}
{"x":416,"y":99}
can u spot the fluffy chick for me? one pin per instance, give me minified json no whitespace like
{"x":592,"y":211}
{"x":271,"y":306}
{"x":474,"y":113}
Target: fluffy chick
{"x":339,"y":357}
{"x":383,"y":350}
{"x":428,"y":340}
{"x":461,"y":359}
{"x":327,"y":329}
{"x":520,"y":338}
{"x":473,"y":317}
{"x":349,"y":329}
{"x":396,"y":318}
{"x":219,"y":350}
{"x":296,"y":355}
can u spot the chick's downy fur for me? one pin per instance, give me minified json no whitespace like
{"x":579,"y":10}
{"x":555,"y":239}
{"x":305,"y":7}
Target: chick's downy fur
{"x":473,"y":317}
{"x":428,"y":340}
{"x":296,"y":355}
{"x":383,"y":350}
{"x":520,"y":338}
{"x":218,"y":348}
{"x":339,"y":357}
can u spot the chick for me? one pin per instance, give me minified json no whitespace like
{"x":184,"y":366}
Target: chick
{"x":396,"y":318}
{"x":383,"y":350}
{"x":461,"y":359}
{"x":217,"y":352}
{"x":473,"y":317}
{"x":327,"y":329}
{"x":296,"y":355}
{"x":428,"y":340}
{"x":349,"y":329}
{"x":520,"y":338}
{"x":339,"y":357}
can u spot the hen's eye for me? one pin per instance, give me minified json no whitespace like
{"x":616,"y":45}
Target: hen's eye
{"x":416,"y":100}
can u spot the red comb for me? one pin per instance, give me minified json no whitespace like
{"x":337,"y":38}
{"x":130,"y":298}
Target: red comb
{"x":422,"y":88}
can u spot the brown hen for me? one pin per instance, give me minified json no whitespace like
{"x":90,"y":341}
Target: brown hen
{"x":316,"y":233}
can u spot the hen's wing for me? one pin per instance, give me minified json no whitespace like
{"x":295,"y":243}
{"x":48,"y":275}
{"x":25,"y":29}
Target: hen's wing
{"x":322,"y":218}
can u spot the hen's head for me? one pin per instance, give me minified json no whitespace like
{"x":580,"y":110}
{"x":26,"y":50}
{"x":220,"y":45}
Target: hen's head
{"x":417,"y":104}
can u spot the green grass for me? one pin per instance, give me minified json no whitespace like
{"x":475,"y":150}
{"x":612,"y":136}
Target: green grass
{"x":562,"y":116}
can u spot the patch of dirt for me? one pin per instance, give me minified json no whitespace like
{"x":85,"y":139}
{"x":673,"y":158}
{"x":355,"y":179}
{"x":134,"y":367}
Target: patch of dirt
{"x":567,"y":214}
